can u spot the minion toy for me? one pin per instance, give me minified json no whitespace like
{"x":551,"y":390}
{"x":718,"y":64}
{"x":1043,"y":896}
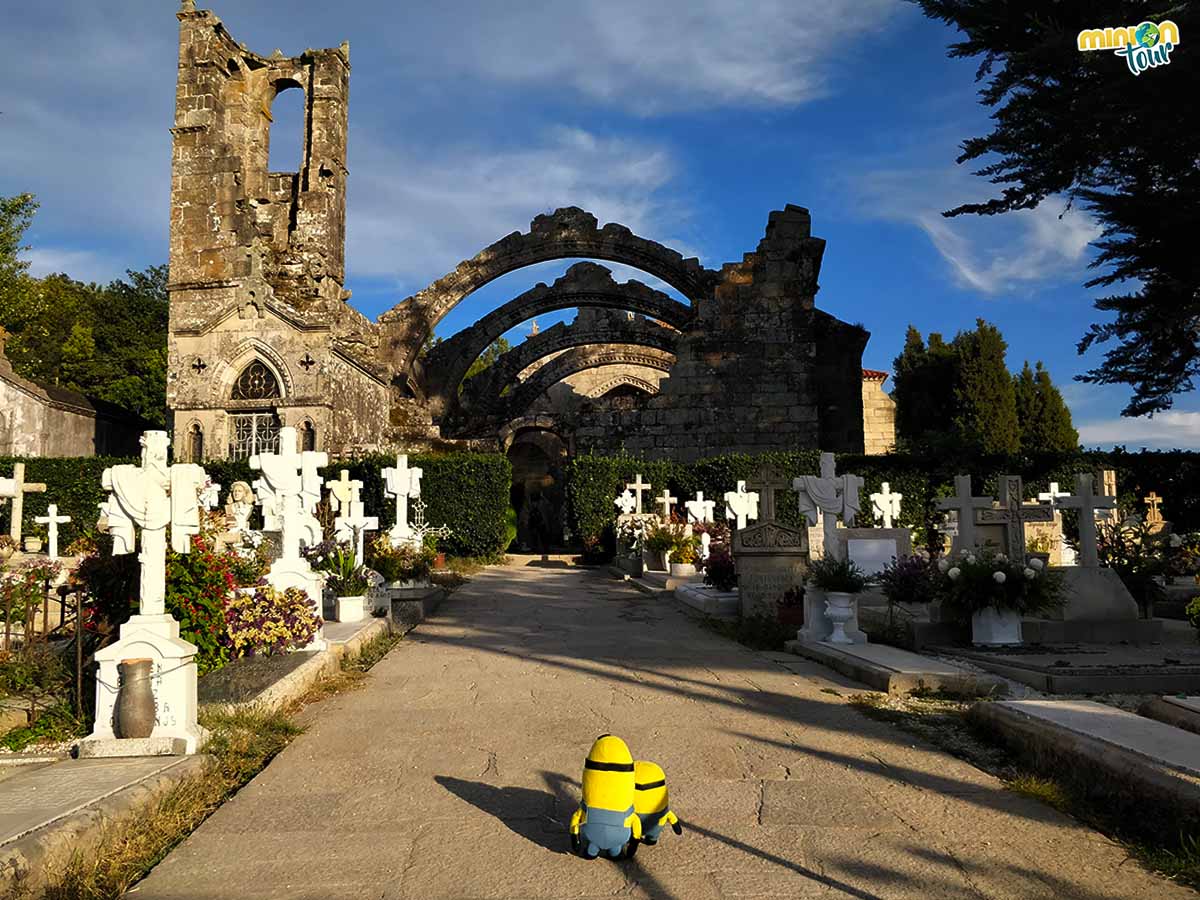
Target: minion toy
{"x":605,"y":821}
{"x":650,"y":801}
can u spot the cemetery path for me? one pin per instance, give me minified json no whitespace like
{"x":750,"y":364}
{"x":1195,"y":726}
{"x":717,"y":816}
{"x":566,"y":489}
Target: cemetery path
{"x":453,"y":773}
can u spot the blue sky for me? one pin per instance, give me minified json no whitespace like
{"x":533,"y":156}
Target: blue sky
{"x":688,"y":122}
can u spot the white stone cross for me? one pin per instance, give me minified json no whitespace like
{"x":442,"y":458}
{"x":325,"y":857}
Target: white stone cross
{"x":638,"y":487}
{"x":279,"y":492}
{"x":625,"y":503}
{"x":1013,"y":513}
{"x":351,"y":527}
{"x":700,"y":510}
{"x":886,"y":505}
{"x":1087,"y":502}
{"x":965,"y":505}
{"x":741,"y":505}
{"x":402,"y":483}
{"x":343,"y":492}
{"x":52,"y":520}
{"x":666,"y":501}
{"x":152,"y":496}
{"x":1052,"y":496}
{"x":832,"y":495}
{"x":16,"y":488}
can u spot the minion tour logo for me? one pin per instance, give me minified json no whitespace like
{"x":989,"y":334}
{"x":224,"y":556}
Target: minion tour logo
{"x":1144,"y":46}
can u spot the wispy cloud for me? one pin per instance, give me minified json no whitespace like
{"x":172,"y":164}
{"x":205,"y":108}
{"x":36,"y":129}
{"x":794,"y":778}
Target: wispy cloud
{"x":993,"y":254}
{"x":1167,"y":430}
{"x":415,"y":213}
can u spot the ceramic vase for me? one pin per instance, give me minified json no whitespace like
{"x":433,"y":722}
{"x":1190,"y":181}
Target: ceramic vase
{"x":840,"y":610}
{"x":991,"y":627}
{"x":683,"y":570}
{"x":135,"y":700}
{"x":351,"y":609}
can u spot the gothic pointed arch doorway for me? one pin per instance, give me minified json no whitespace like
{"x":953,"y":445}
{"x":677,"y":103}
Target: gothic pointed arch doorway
{"x":538,"y":457}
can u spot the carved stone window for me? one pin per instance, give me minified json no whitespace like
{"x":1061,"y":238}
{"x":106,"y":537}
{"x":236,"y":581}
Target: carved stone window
{"x":256,"y":382}
{"x":195,"y":444}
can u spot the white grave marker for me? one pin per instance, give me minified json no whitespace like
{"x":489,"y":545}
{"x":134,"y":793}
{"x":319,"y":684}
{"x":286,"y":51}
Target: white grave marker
{"x":638,"y":487}
{"x":886,"y":505}
{"x":52,"y":520}
{"x":403,"y":484}
{"x":741,"y":505}
{"x":830,"y":494}
{"x":16,"y":488}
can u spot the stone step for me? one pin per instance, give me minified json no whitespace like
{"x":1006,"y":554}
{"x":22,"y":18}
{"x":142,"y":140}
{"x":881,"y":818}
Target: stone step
{"x":898,"y":671}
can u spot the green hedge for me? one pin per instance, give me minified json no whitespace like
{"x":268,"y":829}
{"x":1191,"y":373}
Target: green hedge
{"x":469,"y":492}
{"x":593,"y":482}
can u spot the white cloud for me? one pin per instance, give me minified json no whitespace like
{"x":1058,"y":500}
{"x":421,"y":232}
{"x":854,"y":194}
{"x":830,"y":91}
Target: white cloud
{"x":414,"y":214}
{"x":81,"y":265}
{"x":992,"y":254}
{"x":664,"y":55}
{"x":1167,"y":430}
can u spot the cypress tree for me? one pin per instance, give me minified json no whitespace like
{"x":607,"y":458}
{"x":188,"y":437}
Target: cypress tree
{"x":1054,"y":432}
{"x":924,"y":391}
{"x":1028,"y":412}
{"x":986,"y":420}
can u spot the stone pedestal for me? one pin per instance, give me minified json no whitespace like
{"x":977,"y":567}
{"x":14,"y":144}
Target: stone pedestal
{"x":1094,"y":593}
{"x":173,"y":683}
{"x":770,"y":558}
{"x":817,"y":626}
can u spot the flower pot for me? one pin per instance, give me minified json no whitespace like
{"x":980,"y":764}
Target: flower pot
{"x":5,"y":553}
{"x":351,"y":609}
{"x":135,"y":700}
{"x":33,"y":545}
{"x":839,"y":607}
{"x":991,"y":627}
{"x":683,"y":570}
{"x":439,"y":561}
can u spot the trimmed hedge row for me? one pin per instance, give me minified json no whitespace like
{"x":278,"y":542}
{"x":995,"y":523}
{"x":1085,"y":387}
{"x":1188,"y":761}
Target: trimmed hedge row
{"x":592,"y":482}
{"x":469,"y":492}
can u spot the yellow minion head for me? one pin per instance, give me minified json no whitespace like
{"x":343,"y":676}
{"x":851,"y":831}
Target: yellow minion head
{"x":650,"y":788}
{"x":608,"y":775}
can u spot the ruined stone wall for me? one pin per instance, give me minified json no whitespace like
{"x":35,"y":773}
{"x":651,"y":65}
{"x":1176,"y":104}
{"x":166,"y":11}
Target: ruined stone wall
{"x":879,"y":414}
{"x":257,"y":258}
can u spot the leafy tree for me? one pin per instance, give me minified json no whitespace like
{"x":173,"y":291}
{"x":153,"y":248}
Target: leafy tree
{"x":1045,"y":421}
{"x":16,"y":215}
{"x":1080,"y":124}
{"x":485,"y":359}
{"x":924,"y":391}
{"x":986,"y":418}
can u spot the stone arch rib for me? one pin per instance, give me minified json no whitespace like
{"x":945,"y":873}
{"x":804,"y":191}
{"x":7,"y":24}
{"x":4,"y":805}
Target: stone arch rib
{"x":566,"y":233}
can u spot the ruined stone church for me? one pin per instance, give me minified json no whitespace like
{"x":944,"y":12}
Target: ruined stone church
{"x":262,"y":335}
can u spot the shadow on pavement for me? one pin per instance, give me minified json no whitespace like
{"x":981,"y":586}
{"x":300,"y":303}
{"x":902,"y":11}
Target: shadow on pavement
{"x":517,"y":807}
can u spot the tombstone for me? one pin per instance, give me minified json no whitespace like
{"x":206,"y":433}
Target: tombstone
{"x":1155,"y":523}
{"x":666,"y":501}
{"x":1012,"y":514}
{"x":741,"y":505}
{"x":151,"y":496}
{"x":403,"y":484}
{"x":353,"y":523}
{"x":238,"y":507}
{"x":15,"y":489}
{"x":638,"y":487}
{"x":625,"y":503}
{"x":1060,"y":553}
{"x":1107,"y":479}
{"x":964,"y":506}
{"x":771,"y":556}
{"x":52,"y":520}
{"x":886,"y":505}
{"x":210,"y":495}
{"x":831,"y":494}
{"x":281,"y":484}
{"x":872,"y":549}
{"x":1093,"y":592}
{"x":700,"y":512}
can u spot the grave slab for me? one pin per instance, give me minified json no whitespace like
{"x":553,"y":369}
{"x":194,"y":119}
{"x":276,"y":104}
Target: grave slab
{"x":1181,"y":712}
{"x":710,"y":601}
{"x":897,"y":671}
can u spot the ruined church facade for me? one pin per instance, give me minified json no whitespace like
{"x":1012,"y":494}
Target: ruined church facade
{"x":262,"y":335}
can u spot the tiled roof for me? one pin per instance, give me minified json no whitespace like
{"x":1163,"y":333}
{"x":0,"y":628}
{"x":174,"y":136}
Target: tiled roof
{"x":874,"y":375}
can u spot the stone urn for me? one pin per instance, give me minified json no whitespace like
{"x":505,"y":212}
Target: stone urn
{"x":351,"y":609}
{"x":839,"y":608}
{"x":32,"y":544}
{"x":683,"y":570}
{"x":135,"y":699}
{"x":992,"y":627}
{"x":5,"y":552}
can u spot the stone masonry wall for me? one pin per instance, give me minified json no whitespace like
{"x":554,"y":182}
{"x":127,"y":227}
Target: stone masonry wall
{"x":879,"y":414}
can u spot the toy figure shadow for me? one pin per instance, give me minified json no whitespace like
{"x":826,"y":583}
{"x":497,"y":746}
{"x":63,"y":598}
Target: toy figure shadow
{"x":525,"y":811}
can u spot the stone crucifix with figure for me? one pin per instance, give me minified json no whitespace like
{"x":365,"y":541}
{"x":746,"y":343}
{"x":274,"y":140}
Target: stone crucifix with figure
{"x":403,"y":484}
{"x":830,"y":495}
{"x":700,"y":512}
{"x":1013,"y":513}
{"x":52,"y":520}
{"x":353,"y":522}
{"x":15,"y":489}
{"x":147,"y":499}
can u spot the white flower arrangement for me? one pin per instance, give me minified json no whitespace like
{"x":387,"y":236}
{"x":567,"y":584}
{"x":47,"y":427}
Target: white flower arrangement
{"x":999,"y":577}
{"x":1036,"y":564}
{"x":954,"y":573}
{"x":1030,"y":573}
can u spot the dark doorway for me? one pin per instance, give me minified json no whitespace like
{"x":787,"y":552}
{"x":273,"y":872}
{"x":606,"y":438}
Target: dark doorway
{"x":537,"y":494}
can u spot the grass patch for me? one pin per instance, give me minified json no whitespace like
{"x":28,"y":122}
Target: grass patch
{"x":1135,"y":821}
{"x":52,"y":725}
{"x":353,"y":672}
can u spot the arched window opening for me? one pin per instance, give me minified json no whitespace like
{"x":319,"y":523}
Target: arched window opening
{"x":195,"y":444}
{"x":308,"y":437}
{"x":623,"y":396}
{"x":256,"y":382}
{"x":286,"y":138}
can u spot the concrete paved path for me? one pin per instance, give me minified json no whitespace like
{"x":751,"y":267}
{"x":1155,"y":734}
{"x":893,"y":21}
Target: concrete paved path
{"x":452,"y":774}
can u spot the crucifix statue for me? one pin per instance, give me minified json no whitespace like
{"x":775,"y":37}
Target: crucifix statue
{"x":1087,"y":502}
{"x":741,"y":505}
{"x":965,"y":506}
{"x":16,"y":488}
{"x":403,"y":484}
{"x":282,"y":487}
{"x":1153,"y":513}
{"x":52,"y":520}
{"x":666,"y":501}
{"x":831,"y":494}
{"x":886,"y":505}
{"x":353,"y":523}
{"x":638,"y":487}
{"x":150,"y":497}
{"x":1013,"y":513}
